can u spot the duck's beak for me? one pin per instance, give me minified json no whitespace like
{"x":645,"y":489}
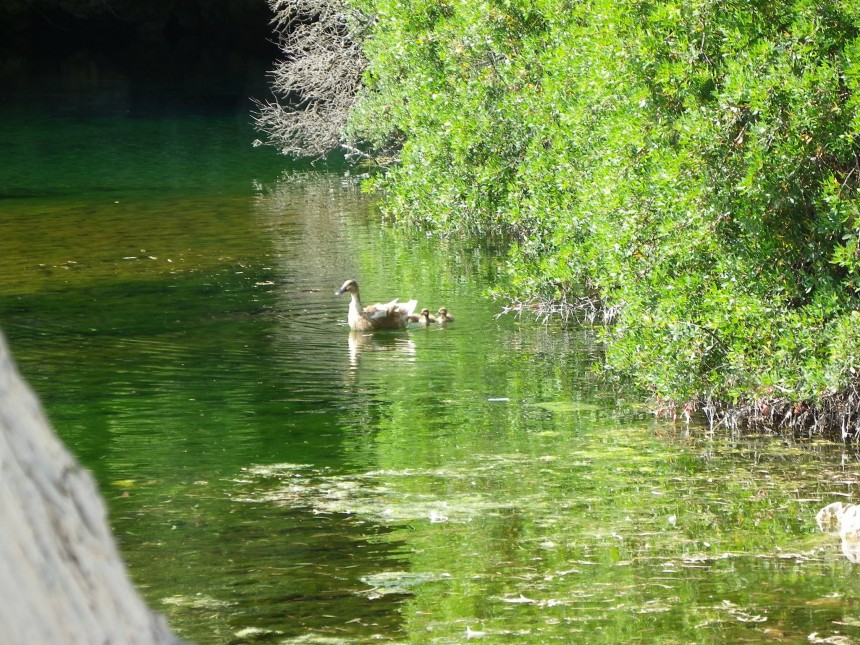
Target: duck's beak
{"x":339,"y":292}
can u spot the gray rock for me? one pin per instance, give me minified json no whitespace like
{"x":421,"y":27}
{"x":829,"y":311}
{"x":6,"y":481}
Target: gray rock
{"x":63,"y":580}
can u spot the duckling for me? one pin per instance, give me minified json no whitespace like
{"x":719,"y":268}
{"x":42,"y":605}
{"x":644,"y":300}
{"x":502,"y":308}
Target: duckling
{"x":424,"y":318}
{"x":442,"y":316}
{"x":391,"y":315}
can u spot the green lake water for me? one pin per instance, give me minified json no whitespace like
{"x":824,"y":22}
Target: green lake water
{"x":168,"y":291}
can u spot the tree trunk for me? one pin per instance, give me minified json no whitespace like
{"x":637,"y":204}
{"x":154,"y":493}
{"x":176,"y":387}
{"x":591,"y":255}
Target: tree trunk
{"x":61,"y":576}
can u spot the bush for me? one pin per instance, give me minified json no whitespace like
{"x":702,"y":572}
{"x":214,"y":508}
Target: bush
{"x":690,"y":165}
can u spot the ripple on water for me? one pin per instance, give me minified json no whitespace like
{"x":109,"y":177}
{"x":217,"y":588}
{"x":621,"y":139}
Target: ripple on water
{"x":273,"y":477}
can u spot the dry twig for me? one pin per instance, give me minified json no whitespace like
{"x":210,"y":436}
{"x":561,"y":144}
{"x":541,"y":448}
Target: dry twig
{"x":317,"y":82}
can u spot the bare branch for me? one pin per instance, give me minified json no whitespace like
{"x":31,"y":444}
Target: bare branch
{"x":317,"y":82}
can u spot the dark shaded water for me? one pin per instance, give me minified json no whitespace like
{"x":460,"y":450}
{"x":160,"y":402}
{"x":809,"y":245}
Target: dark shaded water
{"x":168,"y":291}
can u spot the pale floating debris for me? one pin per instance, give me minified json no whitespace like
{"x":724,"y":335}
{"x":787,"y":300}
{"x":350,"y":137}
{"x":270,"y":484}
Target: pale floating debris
{"x":552,"y":602}
{"x":654,"y":607}
{"x":256,"y":631}
{"x":365,"y":494}
{"x":739,"y":614}
{"x":316,"y":639}
{"x":519,"y":600}
{"x":275,"y":469}
{"x":437,"y":518}
{"x":698,"y":559}
{"x":673,"y":520}
{"x":707,"y":623}
{"x":248,"y":500}
{"x":471,"y":633}
{"x":197,"y":602}
{"x":792,"y":556}
{"x":743,"y":617}
{"x":835,"y":639}
{"x":397,"y":582}
{"x":406,"y":472}
{"x":498,"y":399}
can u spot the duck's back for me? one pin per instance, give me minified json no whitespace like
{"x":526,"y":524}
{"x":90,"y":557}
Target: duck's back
{"x":391,"y":315}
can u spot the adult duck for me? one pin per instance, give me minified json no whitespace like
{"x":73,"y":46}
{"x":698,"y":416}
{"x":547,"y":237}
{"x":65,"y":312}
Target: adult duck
{"x":442,"y":316}
{"x":391,"y":315}
{"x":424,"y":318}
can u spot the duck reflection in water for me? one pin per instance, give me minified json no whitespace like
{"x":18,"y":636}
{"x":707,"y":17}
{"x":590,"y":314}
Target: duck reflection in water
{"x":362,"y":342}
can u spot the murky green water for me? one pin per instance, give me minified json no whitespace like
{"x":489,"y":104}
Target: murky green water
{"x":169,"y":294}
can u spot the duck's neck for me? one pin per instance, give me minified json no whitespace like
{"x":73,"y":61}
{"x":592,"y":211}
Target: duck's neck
{"x":355,"y":307}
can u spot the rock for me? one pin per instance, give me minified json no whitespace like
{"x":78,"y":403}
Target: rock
{"x":849,"y":520}
{"x":63,"y":578}
{"x":828,"y":517}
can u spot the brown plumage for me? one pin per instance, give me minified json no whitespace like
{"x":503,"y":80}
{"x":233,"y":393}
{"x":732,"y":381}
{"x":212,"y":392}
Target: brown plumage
{"x":391,"y":315}
{"x":442,"y":316}
{"x":425,"y":317}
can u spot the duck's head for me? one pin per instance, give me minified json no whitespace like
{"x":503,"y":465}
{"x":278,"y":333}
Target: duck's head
{"x":350,"y":285}
{"x":425,"y":313}
{"x":442,"y":312}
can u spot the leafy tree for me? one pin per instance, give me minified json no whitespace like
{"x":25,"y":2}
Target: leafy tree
{"x":688,"y":169}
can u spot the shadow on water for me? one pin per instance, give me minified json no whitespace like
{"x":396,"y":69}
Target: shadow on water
{"x":274,"y":478}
